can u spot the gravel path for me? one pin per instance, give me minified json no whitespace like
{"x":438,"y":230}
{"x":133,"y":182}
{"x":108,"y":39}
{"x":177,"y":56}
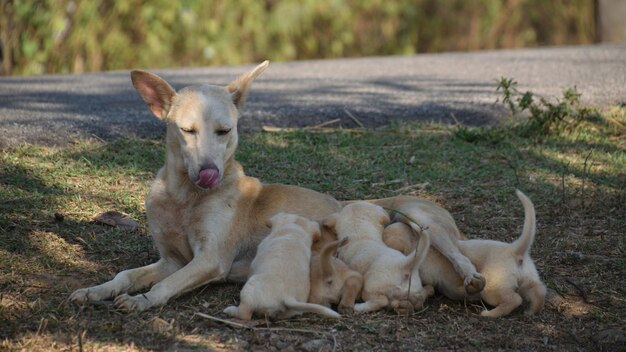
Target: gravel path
{"x":56,"y":109}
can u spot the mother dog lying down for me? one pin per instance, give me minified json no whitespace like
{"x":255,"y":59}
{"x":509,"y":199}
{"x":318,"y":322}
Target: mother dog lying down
{"x":205,"y":215}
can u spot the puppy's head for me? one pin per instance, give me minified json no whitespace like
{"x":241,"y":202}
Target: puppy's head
{"x":284,"y":219}
{"x":355,"y":215}
{"x":201,"y":120}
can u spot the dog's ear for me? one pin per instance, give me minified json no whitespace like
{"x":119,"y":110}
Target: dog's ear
{"x":239,"y":87}
{"x":154,"y":90}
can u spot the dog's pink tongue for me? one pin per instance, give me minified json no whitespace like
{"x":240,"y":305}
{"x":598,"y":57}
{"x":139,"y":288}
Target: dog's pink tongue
{"x":208,"y":178}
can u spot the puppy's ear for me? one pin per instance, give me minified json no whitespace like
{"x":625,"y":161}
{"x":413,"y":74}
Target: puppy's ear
{"x":239,"y":87}
{"x":384,"y":217}
{"x":330,"y":222}
{"x":317,"y":234}
{"x":154,"y":90}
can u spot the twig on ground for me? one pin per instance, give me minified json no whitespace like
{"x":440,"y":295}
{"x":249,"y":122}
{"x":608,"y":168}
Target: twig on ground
{"x":272,"y":129}
{"x":582,"y":192}
{"x":353,"y":118}
{"x":390,"y":182}
{"x":247,"y":327}
{"x":456,"y":121}
{"x":422,"y":185}
{"x":330,"y":122}
{"x":224,"y":321}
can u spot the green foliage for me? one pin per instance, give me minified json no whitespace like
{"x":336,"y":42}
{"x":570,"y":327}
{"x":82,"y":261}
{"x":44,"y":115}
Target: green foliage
{"x":60,"y":36}
{"x":545,"y":118}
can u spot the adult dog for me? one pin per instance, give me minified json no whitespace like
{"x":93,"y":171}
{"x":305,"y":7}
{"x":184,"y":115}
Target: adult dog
{"x":205,"y":215}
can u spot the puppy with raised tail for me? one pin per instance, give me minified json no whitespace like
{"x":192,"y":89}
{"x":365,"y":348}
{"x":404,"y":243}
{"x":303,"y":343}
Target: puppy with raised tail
{"x":510,"y":273}
{"x":387,"y":273}
{"x":279,"y":286}
{"x":332,"y":281}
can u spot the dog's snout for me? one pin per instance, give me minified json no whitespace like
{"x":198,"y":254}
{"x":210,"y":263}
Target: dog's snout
{"x":208,"y":166}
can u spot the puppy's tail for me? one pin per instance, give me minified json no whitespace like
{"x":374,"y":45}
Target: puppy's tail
{"x":521,"y":246}
{"x":326,"y":255}
{"x":415,"y":258}
{"x":292,"y":304}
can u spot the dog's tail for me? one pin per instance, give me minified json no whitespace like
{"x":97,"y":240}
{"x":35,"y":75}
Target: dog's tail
{"x":521,"y":246}
{"x":292,"y":304}
{"x":415,"y":258}
{"x":326,"y":255}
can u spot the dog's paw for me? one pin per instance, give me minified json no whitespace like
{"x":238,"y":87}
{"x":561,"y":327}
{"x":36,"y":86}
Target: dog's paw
{"x":85,"y":295}
{"x":80,"y":296}
{"x":132,"y":303}
{"x":474,"y":283}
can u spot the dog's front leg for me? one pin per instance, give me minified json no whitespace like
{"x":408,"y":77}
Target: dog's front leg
{"x":126,"y":281}
{"x":202,"y":269}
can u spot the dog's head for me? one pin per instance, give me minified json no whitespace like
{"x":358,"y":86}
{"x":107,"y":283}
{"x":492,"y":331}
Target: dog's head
{"x":201,"y":120}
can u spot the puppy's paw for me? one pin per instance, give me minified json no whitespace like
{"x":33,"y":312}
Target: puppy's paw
{"x":128,"y":303}
{"x":345,"y":309}
{"x":85,"y":295}
{"x":232,"y":311}
{"x":361,"y":308}
{"x":404,"y":307}
{"x":474,"y":283}
{"x":488,"y":314}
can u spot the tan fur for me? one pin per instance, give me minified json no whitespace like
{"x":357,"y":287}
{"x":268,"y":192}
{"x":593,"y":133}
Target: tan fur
{"x":275,"y":288}
{"x":507,"y":267}
{"x":207,"y":228}
{"x":332,"y":281}
{"x":386,"y":272}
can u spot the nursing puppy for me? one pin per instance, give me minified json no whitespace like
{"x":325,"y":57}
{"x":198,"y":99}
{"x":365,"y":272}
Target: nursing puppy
{"x":386,"y":272}
{"x":276,"y":287}
{"x":332,"y":281}
{"x":507,"y":267}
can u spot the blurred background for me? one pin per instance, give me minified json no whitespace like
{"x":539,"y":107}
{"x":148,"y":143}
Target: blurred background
{"x":73,"y":36}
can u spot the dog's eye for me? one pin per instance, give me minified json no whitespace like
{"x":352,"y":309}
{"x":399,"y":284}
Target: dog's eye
{"x":223,"y":132}
{"x":188,"y":130}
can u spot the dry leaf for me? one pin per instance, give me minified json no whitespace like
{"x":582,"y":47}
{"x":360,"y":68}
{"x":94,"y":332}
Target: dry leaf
{"x":117,"y":219}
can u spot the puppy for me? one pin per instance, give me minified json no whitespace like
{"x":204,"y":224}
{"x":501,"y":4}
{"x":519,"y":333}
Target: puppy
{"x":332,"y":281}
{"x":276,"y":287}
{"x":509,"y":271}
{"x":386,"y":272}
